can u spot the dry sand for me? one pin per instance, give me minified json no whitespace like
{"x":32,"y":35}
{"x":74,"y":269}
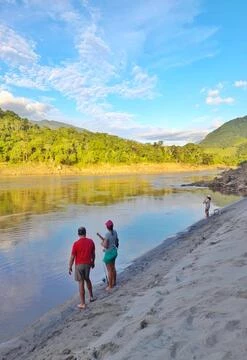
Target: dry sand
{"x":185,"y":299}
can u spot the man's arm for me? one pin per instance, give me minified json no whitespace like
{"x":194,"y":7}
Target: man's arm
{"x":71,"y":262}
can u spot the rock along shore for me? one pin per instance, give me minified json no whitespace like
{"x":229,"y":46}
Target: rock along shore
{"x":232,"y":181}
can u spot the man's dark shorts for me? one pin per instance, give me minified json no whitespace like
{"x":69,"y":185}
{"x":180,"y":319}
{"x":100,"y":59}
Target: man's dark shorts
{"x":82,"y":272}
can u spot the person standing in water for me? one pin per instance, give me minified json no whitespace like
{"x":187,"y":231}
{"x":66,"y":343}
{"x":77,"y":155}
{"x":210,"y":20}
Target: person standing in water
{"x":110,"y":245}
{"x":83,"y":253}
{"x":207,"y":203}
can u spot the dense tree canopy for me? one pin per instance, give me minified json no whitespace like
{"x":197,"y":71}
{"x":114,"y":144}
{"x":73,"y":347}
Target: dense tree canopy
{"x":23,"y":141}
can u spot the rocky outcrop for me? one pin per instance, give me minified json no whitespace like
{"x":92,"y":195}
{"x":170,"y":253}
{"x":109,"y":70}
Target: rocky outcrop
{"x":233,"y":181}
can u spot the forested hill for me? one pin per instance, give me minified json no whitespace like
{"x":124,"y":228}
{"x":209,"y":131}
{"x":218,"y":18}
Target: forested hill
{"x":232,"y":133}
{"x":51,"y":124}
{"x":23,"y":141}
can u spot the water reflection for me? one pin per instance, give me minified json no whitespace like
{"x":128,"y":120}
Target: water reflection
{"x":43,"y":195}
{"x":39,"y":221}
{"x":21,"y":199}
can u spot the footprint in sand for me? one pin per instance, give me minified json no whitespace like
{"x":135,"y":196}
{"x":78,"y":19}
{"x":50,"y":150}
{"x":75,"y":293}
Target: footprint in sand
{"x":242,"y":294}
{"x":190,"y":318}
{"x":232,"y":325}
{"x":70,"y":357}
{"x":189,"y":321}
{"x":174,"y":348}
{"x":239,"y":263}
{"x":108,"y":348}
{"x":214,"y":315}
{"x":211,"y":340}
{"x":120,"y":333}
{"x":228,"y":356}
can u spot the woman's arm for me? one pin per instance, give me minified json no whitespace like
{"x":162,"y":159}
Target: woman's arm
{"x":104,"y":241}
{"x":100,"y":236}
{"x":117,"y":241}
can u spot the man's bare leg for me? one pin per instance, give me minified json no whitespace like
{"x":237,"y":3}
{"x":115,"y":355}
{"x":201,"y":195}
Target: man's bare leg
{"x":90,"y":289}
{"x":82,"y":305}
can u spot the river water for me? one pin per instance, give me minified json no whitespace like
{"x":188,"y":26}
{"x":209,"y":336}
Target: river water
{"x":39,"y":218}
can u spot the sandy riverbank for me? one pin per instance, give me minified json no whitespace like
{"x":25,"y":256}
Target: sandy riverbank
{"x":103,"y":169}
{"x":185,"y":299}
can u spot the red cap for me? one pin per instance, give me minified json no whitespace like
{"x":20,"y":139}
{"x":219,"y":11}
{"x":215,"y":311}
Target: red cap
{"x":109,"y":224}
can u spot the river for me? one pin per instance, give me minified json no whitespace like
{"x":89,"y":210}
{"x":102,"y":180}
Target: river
{"x":39,"y":218}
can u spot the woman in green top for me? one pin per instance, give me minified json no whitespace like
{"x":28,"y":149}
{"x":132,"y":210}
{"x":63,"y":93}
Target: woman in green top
{"x":110,"y":245}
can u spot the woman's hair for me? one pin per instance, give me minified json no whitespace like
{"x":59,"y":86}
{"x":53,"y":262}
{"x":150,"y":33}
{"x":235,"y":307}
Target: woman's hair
{"x":109,"y":225}
{"x":209,"y":197}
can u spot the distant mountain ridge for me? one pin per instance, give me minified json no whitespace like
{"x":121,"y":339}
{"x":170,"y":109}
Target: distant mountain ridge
{"x":54,"y":125}
{"x":232,"y":133}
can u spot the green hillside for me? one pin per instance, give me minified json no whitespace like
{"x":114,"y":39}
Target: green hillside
{"x":54,"y":125}
{"x":22,"y":141}
{"x":51,"y":142}
{"x":231,"y":134}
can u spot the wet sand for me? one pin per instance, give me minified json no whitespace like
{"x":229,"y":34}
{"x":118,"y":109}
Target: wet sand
{"x":186,"y":299}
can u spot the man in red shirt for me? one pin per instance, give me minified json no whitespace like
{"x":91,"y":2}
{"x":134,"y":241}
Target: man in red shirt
{"x":83,"y":253}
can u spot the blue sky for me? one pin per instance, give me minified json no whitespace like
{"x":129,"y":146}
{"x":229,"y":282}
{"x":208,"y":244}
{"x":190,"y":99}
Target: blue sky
{"x":150,"y":70}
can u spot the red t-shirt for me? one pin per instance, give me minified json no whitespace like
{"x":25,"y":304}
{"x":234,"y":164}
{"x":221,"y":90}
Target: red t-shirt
{"x":83,"y":250}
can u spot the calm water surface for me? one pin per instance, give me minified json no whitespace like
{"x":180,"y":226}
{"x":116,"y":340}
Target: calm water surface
{"x":39,"y":217}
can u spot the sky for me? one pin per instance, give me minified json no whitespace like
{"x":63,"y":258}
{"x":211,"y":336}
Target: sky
{"x":148,"y":70}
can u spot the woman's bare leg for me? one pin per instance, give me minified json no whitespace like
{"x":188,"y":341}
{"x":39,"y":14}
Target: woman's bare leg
{"x":110,"y":275}
{"x":114,"y":274}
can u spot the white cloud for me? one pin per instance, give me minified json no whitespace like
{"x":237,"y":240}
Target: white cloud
{"x":141,"y":85}
{"x":24,"y":82}
{"x":240,"y":84}
{"x":220,"y":85}
{"x":15,"y":49}
{"x":214,"y":98}
{"x":213,"y":92}
{"x":91,"y":45}
{"x":23,"y":106}
{"x":180,"y":137}
{"x":106,"y":42}
{"x":174,"y":136}
{"x":218,"y":100}
{"x":89,"y":92}
{"x":56,"y":10}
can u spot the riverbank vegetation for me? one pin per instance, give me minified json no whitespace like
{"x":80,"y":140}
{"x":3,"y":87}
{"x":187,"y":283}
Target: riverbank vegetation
{"x":29,"y":148}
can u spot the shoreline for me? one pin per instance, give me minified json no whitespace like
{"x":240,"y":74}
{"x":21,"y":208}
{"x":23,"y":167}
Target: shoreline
{"x":7,"y":170}
{"x":151,"y":302}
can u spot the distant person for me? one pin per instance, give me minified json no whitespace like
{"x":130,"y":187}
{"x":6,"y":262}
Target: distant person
{"x":207,"y":203}
{"x":83,"y":253}
{"x":110,"y":245}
